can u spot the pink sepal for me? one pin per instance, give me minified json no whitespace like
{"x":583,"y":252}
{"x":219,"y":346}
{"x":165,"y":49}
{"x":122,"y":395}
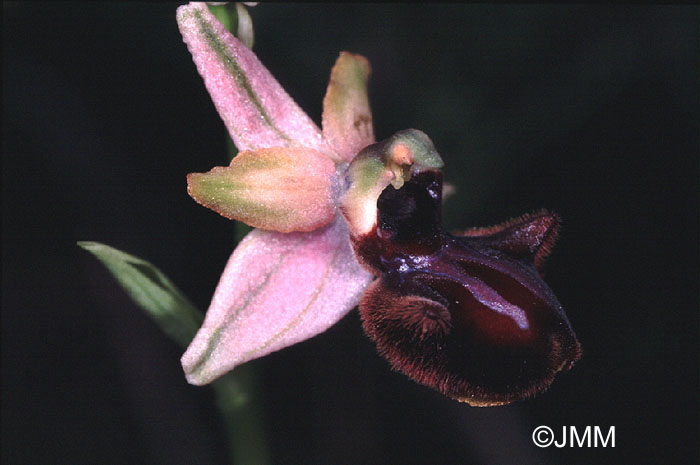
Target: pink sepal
{"x":277,"y":290}
{"x":253,"y":105}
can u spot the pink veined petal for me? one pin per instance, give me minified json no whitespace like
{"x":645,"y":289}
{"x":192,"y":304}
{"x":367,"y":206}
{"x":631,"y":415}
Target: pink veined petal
{"x":277,"y":290}
{"x":256,"y":110}
{"x":278,"y":189}
{"x":347,"y":117}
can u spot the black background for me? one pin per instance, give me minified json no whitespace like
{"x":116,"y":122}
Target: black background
{"x":591,"y":111}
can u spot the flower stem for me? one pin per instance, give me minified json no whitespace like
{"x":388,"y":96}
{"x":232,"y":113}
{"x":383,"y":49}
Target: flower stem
{"x":238,"y":403}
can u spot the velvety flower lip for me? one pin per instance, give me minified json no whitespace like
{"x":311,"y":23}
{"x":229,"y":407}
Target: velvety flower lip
{"x":296,"y":275}
{"x":468,"y":315}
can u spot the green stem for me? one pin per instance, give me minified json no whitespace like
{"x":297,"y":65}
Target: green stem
{"x":240,"y":408}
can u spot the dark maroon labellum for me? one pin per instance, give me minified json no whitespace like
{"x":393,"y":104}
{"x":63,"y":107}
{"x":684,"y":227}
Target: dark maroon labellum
{"x":467,"y":314}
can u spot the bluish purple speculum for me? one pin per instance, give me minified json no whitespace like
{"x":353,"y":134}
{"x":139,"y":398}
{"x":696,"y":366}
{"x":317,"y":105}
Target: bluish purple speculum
{"x":467,"y":314}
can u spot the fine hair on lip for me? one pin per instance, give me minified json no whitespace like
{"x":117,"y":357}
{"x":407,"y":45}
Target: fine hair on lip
{"x":467,"y":314}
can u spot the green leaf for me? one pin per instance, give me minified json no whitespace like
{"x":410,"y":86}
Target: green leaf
{"x":227,"y":15}
{"x":238,"y":402}
{"x":236,"y":19}
{"x":152,"y":291}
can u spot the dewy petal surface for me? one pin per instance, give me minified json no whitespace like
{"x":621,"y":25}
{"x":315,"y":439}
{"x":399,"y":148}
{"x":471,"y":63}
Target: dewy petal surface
{"x":347,"y":117}
{"x":254,"y":107}
{"x":279,"y":189}
{"x":277,"y":290}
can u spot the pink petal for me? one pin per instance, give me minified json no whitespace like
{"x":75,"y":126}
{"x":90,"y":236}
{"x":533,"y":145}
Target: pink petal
{"x":254,"y":107}
{"x":278,"y":189}
{"x":277,"y":290}
{"x":347,"y":117}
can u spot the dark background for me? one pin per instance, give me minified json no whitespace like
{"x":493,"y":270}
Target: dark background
{"x":591,"y":111}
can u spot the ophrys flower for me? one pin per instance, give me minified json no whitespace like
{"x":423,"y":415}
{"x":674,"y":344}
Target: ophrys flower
{"x":333,"y":211}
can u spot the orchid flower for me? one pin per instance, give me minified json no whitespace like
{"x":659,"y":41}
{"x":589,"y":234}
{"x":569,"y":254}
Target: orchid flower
{"x":336,"y":216}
